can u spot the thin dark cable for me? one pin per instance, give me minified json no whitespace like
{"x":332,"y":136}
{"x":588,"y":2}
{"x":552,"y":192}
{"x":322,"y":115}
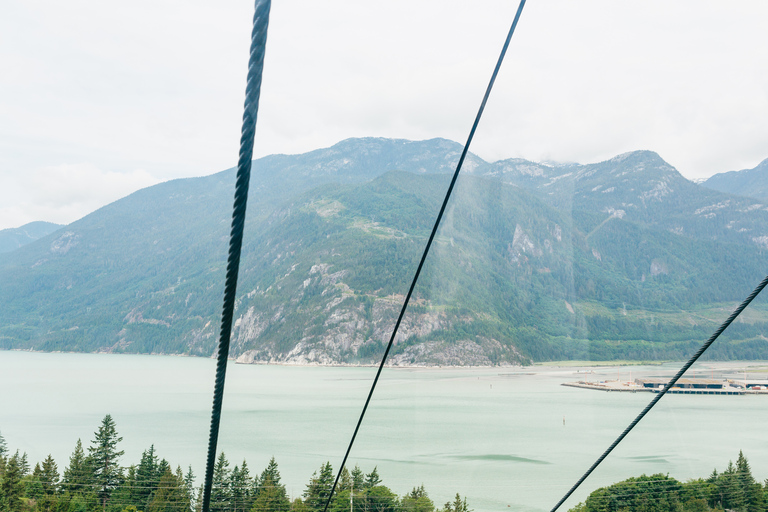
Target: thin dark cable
{"x":671,"y":383}
{"x":252,"y":93}
{"x":429,"y":244}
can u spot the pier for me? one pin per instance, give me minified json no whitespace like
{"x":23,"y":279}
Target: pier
{"x":683,"y":386}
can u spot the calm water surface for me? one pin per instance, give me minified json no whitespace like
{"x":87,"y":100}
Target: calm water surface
{"x":507,"y":438}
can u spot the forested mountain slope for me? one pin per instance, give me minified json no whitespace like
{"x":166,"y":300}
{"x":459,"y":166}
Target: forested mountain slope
{"x":749,"y":182}
{"x":13,"y":238}
{"x":620,"y":259}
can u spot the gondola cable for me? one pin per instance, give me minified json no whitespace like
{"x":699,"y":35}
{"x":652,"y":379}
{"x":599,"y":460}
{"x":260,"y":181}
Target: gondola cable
{"x":427,"y":247}
{"x":253,"y":89}
{"x":666,"y":388}
{"x":251,"y":108}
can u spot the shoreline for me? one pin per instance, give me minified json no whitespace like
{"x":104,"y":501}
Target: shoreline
{"x":737,"y":365}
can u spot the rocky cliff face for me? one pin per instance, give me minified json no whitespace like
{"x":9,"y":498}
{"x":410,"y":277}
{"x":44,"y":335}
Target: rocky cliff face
{"x":356,"y":329}
{"x":532,"y":262}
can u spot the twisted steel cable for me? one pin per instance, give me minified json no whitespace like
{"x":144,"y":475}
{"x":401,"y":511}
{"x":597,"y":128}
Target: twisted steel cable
{"x":252,"y":93}
{"x":427,"y":247}
{"x":669,"y":384}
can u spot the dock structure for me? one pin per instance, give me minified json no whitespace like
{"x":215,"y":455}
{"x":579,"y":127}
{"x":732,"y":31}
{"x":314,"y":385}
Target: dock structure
{"x":699,"y":384}
{"x":684,"y":386}
{"x":608,"y":385}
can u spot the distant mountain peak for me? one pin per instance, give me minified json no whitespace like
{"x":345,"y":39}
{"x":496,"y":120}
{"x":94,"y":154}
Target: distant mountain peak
{"x":532,"y":261}
{"x":13,"y":238}
{"x":639,"y":153}
{"x":748,"y":182}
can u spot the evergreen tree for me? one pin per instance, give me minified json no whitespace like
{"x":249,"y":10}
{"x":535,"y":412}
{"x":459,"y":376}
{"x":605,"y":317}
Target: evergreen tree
{"x":345,"y":481}
{"x":271,"y":494}
{"x":220,"y":490}
{"x":3,"y":447}
{"x":750,"y":489}
{"x":33,"y":487}
{"x":50,"y":476}
{"x":417,"y":501}
{"x":103,"y":451}
{"x":380,"y":498}
{"x":78,"y":476}
{"x":161,"y":468}
{"x":11,"y":486}
{"x":765,"y":495}
{"x":319,"y":488}
{"x":24,"y":464}
{"x":49,"y":481}
{"x":458,"y":505}
{"x":694,"y":492}
{"x":126,"y":493}
{"x":358,"y":478}
{"x":240,"y":485}
{"x":348,"y":501}
{"x":170,"y":495}
{"x":299,"y":506}
{"x":728,"y":489}
{"x":199,"y":500}
{"x":189,"y":485}
{"x":183,"y":485}
{"x":372,"y":479}
{"x":272,"y":472}
{"x":272,"y":498}
{"x":147,"y":478}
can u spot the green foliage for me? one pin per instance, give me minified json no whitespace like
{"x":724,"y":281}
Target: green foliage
{"x":78,"y":475}
{"x":240,"y":483}
{"x":151,"y":486}
{"x":319,"y":488}
{"x":272,"y":496}
{"x":221,"y":490}
{"x":11,"y":486}
{"x":147,"y":477}
{"x":732,"y":489}
{"x":170,"y":495}
{"x":417,"y":501}
{"x":105,"y":459}
{"x":372,"y":479}
{"x":380,"y":498}
{"x":543,"y":270}
{"x":458,"y":505}
{"x":358,"y":478}
{"x":269,"y":493}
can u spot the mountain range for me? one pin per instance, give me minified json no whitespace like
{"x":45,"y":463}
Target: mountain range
{"x":13,"y":238}
{"x":749,"y":182}
{"x":622,"y":259}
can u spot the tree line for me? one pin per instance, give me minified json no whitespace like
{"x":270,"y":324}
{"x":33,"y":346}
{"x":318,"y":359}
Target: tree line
{"x":95,"y":481}
{"x":734,"y":489}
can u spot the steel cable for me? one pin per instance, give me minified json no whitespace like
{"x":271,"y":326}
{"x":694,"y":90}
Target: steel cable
{"x":669,"y":384}
{"x":251,"y":108}
{"x":428,"y":245}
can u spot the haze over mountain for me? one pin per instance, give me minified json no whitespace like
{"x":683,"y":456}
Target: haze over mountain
{"x":619,"y":259}
{"x":13,"y":238}
{"x":749,"y":182}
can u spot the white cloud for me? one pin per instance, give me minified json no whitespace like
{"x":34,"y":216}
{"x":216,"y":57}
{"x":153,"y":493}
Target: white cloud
{"x":65,"y":193}
{"x":158,"y":85}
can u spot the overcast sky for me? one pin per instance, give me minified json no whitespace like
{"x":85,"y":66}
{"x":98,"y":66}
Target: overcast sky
{"x":99,"y":98}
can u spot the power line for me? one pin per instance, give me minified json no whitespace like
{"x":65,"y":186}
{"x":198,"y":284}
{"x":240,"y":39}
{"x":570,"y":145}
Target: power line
{"x":669,"y":384}
{"x":429,"y":244}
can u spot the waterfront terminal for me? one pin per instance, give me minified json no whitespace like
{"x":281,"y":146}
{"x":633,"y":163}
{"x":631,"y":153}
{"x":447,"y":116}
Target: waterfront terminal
{"x":688,"y":386}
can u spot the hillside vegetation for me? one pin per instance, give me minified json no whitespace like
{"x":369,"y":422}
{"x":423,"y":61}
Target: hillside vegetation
{"x":623,"y":259}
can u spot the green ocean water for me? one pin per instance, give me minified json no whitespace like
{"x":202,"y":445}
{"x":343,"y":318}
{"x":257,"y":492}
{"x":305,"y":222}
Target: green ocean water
{"x":507,"y":438}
